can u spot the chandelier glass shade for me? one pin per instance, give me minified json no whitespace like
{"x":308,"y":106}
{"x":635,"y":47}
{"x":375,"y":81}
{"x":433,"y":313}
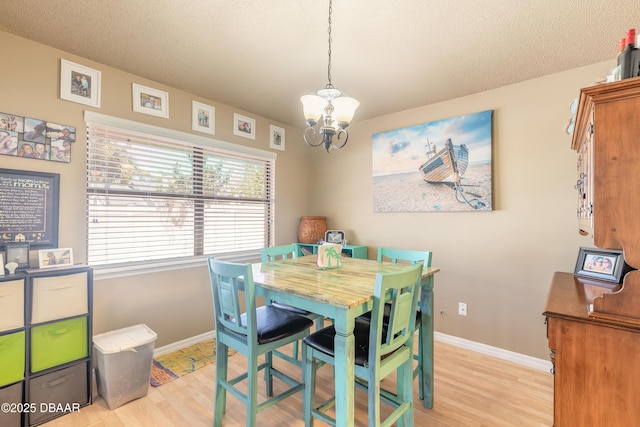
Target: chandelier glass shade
{"x":330,"y":108}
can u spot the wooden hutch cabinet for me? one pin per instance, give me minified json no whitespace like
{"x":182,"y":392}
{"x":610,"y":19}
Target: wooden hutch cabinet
{"x":593,"y":327}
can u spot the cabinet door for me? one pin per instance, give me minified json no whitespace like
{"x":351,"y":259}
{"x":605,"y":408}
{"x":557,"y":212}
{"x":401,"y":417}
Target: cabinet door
{"x":584,"y":184}
{"x":596,"y":376}
{"x":616,"y":167}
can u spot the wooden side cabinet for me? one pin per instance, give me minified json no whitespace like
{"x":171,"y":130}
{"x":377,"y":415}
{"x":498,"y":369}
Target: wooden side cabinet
{"x":607,"y":137}
{"x":593,"y":327}
{"x":595,"y":362}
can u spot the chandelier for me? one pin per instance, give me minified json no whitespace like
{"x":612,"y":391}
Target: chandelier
{"x":330,"y":103}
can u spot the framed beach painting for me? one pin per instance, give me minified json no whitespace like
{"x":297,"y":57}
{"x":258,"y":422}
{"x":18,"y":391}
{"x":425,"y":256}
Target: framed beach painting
{"x":203,"y":118}
{"x":150,"y":101}
{"x":439,"y":166}
{"x":276,"y":137}
{"x":244,"y":126}
{"x":79,"y":83}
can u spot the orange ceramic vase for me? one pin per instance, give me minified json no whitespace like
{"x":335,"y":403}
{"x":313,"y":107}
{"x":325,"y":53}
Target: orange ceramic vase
{"x":312,"y":229}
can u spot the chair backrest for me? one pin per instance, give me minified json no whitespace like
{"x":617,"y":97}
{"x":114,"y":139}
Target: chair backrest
{"x":412,"y":257}
{"x":401,"y":290}
{"x":279,"y":252}
{"x":229,"y":281}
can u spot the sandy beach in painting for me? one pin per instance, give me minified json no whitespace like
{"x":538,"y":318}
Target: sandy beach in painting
{"x":407,"y":192}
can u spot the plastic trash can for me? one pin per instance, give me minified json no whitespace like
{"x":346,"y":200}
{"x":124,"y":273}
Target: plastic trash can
{"x":124,"y":359}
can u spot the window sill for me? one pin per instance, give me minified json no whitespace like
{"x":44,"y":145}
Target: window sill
{"x":105,"y":273}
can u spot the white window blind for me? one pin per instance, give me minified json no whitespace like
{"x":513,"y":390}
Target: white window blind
{"x":152,"y":198}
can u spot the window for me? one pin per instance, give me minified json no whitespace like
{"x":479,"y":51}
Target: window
{"x":156,"y":195}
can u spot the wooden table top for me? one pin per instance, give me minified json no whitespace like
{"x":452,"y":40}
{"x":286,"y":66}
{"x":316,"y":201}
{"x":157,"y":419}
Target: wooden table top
{"x":571,"y":296}
{"x":346,"y":287}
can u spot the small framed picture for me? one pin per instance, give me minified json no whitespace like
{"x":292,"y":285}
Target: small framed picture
{"x":60,"y":257}
{"x":8,"y":142}
{"x":79,"y":84}
{"x":12,"y":122}
{"x":601,"y":264}
{"x":276,"y":137}
{"x":61,"y":132}
{"x":203,"y":118}
{"x":150,"y":101}
{"x":35,"y":130}
{"x":244,"y":126}
{"x":18,"y":252}
{"x":334,"y":236}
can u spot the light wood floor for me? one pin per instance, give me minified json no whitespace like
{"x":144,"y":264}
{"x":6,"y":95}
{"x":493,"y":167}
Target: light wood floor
{"x":470,"y":389}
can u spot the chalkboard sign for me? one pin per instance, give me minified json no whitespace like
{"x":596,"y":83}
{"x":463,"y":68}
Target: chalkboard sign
{"x":29,"y":207}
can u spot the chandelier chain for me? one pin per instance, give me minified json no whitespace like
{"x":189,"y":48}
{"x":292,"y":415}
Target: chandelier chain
{"x":329,"y":85}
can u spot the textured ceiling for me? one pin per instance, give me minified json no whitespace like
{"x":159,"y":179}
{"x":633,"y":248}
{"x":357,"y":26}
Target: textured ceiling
{"x":391,"y":55}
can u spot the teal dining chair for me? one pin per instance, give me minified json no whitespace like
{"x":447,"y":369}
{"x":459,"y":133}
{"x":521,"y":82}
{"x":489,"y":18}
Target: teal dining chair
{"x":383,"y":345}
{"x":411,"y":257}
{"x":274,"y":253}
{"x":258,"y":331}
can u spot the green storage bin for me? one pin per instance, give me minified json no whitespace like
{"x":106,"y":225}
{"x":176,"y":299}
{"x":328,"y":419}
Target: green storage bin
{"x":56,"y":343}
{"x":11,"y":358}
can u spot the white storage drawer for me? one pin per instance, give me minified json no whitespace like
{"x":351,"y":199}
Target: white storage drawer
{"x":11,"y":304}
{"x":58,"y":297}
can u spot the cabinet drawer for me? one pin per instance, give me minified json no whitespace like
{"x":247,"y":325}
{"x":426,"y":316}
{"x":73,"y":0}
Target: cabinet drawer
{"x":59,"y":391}
{"x":12,"y":395}
{"x":56,"y":343}
{"x":59,"y":296}
{"x":11,"y":358}
{"x":11,"y":304}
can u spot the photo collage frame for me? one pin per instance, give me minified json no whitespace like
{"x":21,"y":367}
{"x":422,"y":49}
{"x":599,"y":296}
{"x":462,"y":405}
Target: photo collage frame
{"x":36,"y":139}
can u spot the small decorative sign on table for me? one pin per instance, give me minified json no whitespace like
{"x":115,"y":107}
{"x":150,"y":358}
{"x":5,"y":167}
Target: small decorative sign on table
{"x":329,"y":255}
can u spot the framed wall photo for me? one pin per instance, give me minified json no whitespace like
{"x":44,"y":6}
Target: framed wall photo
{"x":150,"y":101}
{"x":79,"y":83}
{"x":51,"y":258}
{"x":276,"y":137}
{"x":244,"y":126}
{"x":203,"y":118}
{"x":601,"y":264}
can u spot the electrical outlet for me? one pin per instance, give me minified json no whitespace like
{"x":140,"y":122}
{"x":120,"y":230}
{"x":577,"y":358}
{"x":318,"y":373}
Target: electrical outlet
{"x":462,"y":308}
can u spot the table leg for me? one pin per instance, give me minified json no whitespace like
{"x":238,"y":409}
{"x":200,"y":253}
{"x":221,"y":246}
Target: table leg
{"x":344,"y":371}
{"x":427,"y":341}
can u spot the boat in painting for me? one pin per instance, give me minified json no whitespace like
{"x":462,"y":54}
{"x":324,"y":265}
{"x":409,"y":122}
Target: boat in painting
{"x":448,"y":164}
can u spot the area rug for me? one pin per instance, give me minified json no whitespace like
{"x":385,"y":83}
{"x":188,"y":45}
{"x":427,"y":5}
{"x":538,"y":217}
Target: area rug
{"x":181,"y":362}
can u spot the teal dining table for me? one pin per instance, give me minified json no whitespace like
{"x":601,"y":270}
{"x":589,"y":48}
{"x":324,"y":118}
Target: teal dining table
{"x":342,"y":294}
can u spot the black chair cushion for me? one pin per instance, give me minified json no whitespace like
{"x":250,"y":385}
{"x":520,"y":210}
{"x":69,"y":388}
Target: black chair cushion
{"x":290,"y":308}
{"x":387,"y":311}
{"x":323,"y":340}
{"x":274,"y":323}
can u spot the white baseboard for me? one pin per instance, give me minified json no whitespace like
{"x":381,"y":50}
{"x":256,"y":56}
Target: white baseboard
{"x":521,"y":359}
{"x":183,"y":343}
